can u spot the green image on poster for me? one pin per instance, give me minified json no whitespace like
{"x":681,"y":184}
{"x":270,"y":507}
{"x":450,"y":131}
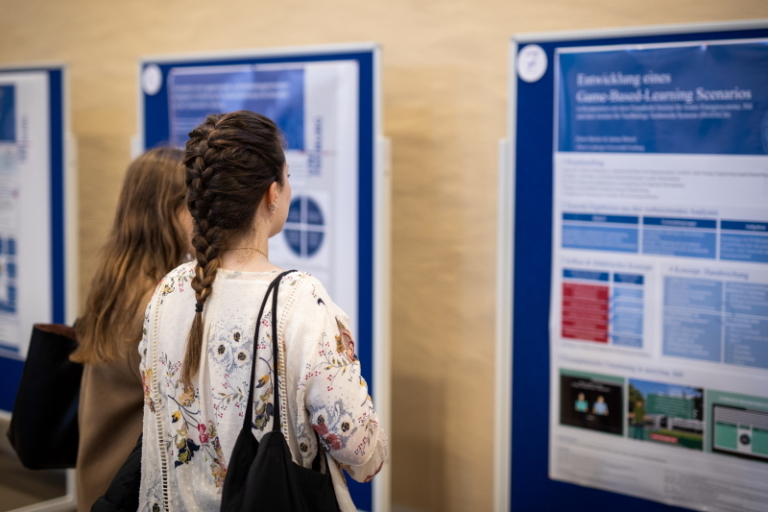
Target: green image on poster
{"x":739,"y":425}
{"x":668,"y":414}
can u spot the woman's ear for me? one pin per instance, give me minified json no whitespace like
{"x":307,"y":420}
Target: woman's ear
{"x":272,"y":193}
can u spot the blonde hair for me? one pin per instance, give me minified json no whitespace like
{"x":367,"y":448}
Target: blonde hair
{"x":146,"y":242}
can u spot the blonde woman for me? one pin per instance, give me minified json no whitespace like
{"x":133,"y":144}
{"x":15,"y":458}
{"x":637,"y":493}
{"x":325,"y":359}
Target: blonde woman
{"x":150,"y":236}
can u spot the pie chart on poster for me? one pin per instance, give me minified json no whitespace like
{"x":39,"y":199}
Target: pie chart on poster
{"x":305,"y":227}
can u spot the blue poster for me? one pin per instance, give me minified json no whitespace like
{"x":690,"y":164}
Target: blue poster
{"x":705,"y":99}
{"x":196,"y":92}
{"x":659,"y":287}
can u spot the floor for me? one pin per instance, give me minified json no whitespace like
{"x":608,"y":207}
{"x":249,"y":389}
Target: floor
{"x":20,"y":487}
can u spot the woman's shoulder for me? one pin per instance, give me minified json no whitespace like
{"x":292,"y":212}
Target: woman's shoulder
{"x":310,"y":297}
{"x":306,"y":286}
{"x":177,"y":280}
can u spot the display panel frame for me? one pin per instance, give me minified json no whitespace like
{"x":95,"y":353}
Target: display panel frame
{"x":525,"y":220}
{"x":373,"y":199}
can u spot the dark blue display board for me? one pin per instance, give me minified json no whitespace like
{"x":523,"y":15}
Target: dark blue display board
{"x":156,"y":130}
{"x":11,"y":368}
{"x":533,"y":118}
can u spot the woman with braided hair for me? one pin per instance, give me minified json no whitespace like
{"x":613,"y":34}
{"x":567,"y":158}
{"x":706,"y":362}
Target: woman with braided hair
{"x":198,"y":347}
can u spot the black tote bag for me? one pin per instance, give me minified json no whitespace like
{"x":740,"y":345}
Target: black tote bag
{"x":44,"y":431}
{"x":262,"y":476}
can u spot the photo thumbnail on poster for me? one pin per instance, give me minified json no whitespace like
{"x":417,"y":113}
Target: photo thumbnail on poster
{"x":669,"y":414}
{"x":591,"y":401}
{"x":738,"y":425}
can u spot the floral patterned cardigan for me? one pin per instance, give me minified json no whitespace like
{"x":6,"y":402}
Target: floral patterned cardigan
{"x":189,"y":434}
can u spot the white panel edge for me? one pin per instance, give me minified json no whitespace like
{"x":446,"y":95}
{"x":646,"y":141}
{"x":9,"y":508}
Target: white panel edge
{"x":282,"y":51}
{"x":681,"y":28}
{"x":504,"y":301}
{"x":382,"y":489}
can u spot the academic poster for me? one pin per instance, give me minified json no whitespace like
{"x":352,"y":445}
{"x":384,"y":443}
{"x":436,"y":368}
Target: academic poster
{"x":315,"y":104}
{"x":659,"y":292}
{"x":25,"y":238}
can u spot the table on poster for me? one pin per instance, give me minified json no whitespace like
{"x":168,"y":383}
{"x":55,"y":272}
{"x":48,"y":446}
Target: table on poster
{"x":326,"y":102}
{"x":641,"y":217}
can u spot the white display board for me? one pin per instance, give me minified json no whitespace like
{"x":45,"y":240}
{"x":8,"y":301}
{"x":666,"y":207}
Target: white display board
{"x":38,"y":223}
{"x":24,"y":197}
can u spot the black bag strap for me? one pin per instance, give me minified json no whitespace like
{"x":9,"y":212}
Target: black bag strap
{"x":273,"y":289}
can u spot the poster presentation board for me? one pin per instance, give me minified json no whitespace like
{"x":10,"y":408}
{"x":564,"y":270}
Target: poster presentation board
{"x":640,"y":270}
{"x":37,"y":214}
{"x":326,"y":101}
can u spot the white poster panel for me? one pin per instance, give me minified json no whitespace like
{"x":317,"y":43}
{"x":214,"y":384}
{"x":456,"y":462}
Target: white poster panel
{"x":659,"y":298}
{"x":25,"y":242}
{"x":316,"y":106}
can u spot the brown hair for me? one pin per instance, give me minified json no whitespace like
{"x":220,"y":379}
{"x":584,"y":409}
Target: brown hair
{"x":146,"y":242}
{"x":232,"y":159}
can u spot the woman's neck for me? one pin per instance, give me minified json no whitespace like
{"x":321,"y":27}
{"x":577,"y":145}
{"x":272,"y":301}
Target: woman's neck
{"x":251,"y":255}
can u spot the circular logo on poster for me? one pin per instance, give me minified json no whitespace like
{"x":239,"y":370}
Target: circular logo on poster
{"x":531,"y":63}
{"x":151,"y":79}
{"x":304,"y":229}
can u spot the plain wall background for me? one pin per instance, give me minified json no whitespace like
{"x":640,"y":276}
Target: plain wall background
{"x":445,"y":107}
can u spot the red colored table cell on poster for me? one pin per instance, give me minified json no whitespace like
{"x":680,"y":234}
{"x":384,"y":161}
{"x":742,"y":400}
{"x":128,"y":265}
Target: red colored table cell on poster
{"x":585,"y":291}
{"x":585,"y":334}
{"x":585,"y":312}
{"x":591,"y":306}
{"x":585,"y":323}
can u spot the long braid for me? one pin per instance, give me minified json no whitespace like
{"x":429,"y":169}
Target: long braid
{"x":231,"y":160}
{"x":205,"y":239}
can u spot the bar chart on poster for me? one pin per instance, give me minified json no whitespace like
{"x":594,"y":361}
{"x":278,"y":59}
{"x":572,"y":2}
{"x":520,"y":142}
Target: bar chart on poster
{"x":325,"y":100}
{"x":656,"y":164}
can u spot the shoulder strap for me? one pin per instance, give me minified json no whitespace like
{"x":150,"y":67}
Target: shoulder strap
{"x":273,"y":288}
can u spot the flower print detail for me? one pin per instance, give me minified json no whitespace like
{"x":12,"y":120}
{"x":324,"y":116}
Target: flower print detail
{"x":146,"y":379}
{"x":334,"y":425}
{"x":187,"y":449}
{"x":236,"y":335}
{"x":201,"y":432}
{"x":264,"y":379}
{"x":219,"y":472}
{"x":345,"y":345}
{"x":242,"y":357}
{"x":221,"y":353}
{"x":168,"y":287}
{"x":262,"y":414}
{"x":176,"y":416}
{"x":321,"y":428}
{"x":187,"y":397}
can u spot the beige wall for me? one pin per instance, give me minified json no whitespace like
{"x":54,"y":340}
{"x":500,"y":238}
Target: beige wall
{"x":445,"y":101}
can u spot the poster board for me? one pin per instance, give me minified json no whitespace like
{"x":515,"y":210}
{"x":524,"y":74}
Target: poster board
{"x":326,"y":101}
{"x":632,"y":271}
{"x":38,"y":227}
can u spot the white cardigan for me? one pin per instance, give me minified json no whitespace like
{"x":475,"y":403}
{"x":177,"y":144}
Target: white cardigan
{"x":189,"y":434}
